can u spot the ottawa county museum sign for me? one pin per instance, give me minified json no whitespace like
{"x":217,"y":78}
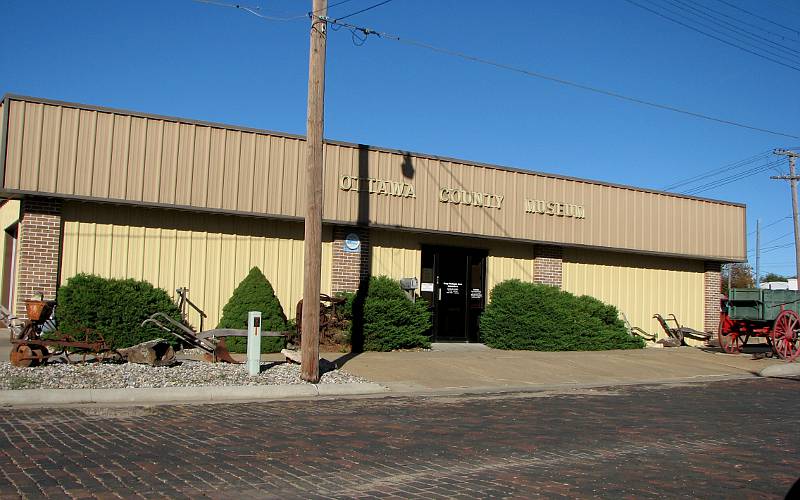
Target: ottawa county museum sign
{"x":458,"y":196}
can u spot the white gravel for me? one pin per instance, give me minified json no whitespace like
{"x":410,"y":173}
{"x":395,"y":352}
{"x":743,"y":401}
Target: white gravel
{"x":186,"y":374}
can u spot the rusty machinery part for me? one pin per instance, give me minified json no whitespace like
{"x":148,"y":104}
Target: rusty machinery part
{"x":32,"y":350}
{"x":22,"y":356}
{"x":328,"y":312}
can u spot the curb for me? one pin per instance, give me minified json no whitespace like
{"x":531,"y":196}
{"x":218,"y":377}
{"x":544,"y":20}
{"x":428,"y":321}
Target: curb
{"x":177,"y":395}
{"x":782,"y":370}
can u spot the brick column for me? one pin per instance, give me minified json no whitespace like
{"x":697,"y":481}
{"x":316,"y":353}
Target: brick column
{"x":39,"y":241}
{"x":712,"y":286}
{"x":349,"y":268}
{"x":547,"y":265}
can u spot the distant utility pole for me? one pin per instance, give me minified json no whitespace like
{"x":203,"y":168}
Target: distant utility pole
{"x":312,"y":264}
{"x":758,"y":253}
{"x":792,"y":178}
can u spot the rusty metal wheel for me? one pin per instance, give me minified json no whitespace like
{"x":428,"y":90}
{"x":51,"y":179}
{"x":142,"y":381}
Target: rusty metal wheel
{"x":730,"y":343}
{"x":22,"y":355}
{"x":784,"y":334}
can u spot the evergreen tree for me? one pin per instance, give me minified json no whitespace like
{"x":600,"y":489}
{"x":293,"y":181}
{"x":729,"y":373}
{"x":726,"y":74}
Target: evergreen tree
{"x":254,"y":293}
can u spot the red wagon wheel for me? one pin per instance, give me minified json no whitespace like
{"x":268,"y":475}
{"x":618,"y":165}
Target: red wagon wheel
{"x":731,"y":343}
{"x":784,"y":334}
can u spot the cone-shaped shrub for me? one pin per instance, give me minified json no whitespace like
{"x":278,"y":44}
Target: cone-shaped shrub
{"x":254,"y":293}
{"x":391,"y":321}
{"x":114,"y":308}
{"x":528,"y":316}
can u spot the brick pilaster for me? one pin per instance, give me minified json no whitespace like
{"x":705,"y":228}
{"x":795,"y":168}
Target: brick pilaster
{"x":349,"y":269}
{"x":712,"y":286}
{"x":39,"y":241}
{"x":547,"y":265}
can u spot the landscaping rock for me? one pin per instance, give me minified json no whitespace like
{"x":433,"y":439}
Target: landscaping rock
{"x":155,"y":352}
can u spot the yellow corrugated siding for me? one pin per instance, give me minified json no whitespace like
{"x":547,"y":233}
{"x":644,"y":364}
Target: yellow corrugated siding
{"x":9,"y":215}
{"x":509,"y":262}
{"x":396,"y":255}
{"x":209,"y":254}
{"x":638,"y":285}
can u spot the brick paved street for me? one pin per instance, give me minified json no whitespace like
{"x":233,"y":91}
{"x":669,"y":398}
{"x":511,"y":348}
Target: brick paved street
{"x":731,"y":439}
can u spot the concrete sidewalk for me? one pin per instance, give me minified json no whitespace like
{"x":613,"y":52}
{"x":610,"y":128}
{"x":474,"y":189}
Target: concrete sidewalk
{"x":484,"y":369}
{"x":451,"y":369}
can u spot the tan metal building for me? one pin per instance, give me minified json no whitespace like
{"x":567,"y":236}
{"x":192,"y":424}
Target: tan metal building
{"x":186,"y":203}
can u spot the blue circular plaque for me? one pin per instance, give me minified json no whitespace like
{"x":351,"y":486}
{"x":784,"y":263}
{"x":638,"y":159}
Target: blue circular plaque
{"x":352,"y":243}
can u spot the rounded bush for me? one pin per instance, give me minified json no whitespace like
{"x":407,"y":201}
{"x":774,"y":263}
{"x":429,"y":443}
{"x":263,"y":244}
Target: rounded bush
{"x":254,"y":293}
{"x":390,"y":320}
{"x":114,"y":308}
{"x":528,"y":316}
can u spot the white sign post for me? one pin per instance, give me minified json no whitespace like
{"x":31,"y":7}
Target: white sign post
{"x":253,"y":342}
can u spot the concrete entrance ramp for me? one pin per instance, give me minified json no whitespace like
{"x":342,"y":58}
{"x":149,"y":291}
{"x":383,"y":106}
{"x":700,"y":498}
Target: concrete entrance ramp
{"x":476,"y":367}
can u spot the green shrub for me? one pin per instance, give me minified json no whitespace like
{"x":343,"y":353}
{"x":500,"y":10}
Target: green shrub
{"x":114,"y":308}
{"x":254,"y":293}
{"x":390,"y":321}
{"x":527,"y":316}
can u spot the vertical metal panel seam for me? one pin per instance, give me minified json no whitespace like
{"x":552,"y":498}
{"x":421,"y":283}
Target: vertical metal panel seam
{"x":93,"y":150}
{"x":39,"y":152}
{"x":127,"y":159}
{"x":110,"y":154}
{"x":176,"y":156}
{"x":191,"y":174}
{"x":56,"y":170}
{"x":4,"y":126}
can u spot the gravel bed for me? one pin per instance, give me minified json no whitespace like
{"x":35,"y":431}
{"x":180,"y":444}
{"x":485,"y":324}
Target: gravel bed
{"x":186,"y":374}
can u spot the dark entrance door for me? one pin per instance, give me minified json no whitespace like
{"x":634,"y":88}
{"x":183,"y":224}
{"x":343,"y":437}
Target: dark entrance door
{"x":453,"y":282}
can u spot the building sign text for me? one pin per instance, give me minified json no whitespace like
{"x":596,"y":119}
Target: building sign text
{"x":376,"y":186}
{"x":473,"y":198}
{"x":555,"y":208}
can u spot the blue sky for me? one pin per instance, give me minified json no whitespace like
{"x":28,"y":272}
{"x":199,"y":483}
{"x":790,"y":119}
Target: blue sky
{"x":201,"y":61}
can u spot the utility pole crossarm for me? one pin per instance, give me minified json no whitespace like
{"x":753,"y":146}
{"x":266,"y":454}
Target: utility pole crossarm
{"x":792,"y":178}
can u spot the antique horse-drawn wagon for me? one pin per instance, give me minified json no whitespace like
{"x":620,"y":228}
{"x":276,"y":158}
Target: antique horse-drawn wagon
{"x":753,"y":312}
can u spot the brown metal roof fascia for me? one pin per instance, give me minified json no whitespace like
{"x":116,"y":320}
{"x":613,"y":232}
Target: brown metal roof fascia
{"x":15,"y":193}
{"x":355,"y":145}
{"x":4,"y":139}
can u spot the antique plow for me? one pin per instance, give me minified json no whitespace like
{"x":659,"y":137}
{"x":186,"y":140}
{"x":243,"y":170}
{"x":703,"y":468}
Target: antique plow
{"x":215,"y":349}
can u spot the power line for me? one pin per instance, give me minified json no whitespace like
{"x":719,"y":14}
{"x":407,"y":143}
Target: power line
{"x":254,"y":10}
{"x":737,"y":20}
{"x":727,"y":42}
{"x":416,"y":43}
{"x":250,"y":10}
{"x":719,"y":170}
{"x":778,"y":221}
{"x":791,"y":51}
{"x":793,"y":30}
{"x":774,"y":240}
{"x":363,"y":10}
{"x":742,"y":175}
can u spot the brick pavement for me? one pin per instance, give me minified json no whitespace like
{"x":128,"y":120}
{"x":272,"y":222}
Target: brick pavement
{"x":677,"y":441}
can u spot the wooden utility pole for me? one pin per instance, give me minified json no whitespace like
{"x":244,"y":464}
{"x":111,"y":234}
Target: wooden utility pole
{"x":792,"y":178}
{"x":312,"y":266}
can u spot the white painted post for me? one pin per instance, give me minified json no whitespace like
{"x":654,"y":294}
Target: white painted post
{"x":253,"y":342}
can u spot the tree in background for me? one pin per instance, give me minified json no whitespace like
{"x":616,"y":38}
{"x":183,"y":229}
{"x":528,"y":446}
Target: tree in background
{"x":774,"y":277}
{"x":741,"y":276}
